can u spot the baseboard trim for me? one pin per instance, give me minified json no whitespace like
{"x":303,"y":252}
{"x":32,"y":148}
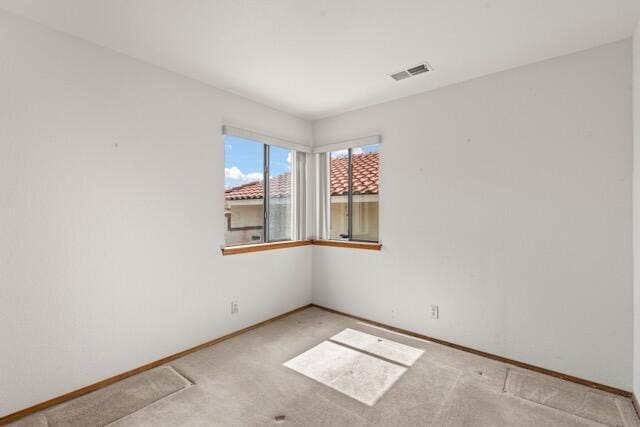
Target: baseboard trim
{"x":100,"y":384}
{"x":524,"y":365}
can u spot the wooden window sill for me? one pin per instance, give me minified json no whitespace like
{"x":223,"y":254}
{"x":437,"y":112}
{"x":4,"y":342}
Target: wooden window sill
{"x":348,"y":244}
{"x":234,"y":250}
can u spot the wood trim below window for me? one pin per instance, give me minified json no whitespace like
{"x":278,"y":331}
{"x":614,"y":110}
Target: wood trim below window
{"x":259,"y":247}
{"x":234,"y":250}
{"x":349,"y":244}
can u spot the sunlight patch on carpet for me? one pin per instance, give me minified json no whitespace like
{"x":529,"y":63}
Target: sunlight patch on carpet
{"x":377,"y":346}
{"x":358,"y":375}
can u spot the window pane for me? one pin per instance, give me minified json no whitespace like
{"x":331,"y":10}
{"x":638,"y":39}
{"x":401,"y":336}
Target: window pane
{"x":365,"y":169}
{"x":339,"y":184}
{"x":280,"y":160}
{"x":243,"y":194}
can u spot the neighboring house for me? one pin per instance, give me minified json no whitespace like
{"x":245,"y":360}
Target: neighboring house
{"x":244,"y":212}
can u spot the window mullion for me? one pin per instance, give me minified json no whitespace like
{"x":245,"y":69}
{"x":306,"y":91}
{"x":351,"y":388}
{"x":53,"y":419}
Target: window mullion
{"x":265,"y":195}
{"x":350,"y":198}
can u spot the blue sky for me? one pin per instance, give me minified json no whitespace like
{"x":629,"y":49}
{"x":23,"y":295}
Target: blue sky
{"x":243,"y":161}
{"x":356,"y":150}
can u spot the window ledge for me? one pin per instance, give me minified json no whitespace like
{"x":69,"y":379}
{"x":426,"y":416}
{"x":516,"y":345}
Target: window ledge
{"x":349,"y":244}
{"x":234,"y":250}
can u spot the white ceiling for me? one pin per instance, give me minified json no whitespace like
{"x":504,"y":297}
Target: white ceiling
{"x":316,"y":58}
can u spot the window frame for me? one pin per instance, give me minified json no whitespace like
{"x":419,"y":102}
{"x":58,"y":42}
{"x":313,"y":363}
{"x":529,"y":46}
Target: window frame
{"x":265,"y":193}
{"x":267,"y":197}
{"x":350,"y":237}
{"x":266,"y":240}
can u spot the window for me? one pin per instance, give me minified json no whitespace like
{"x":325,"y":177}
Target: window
{"x":279,"y":189}
{"x":249,"y":218}
{"x":354,"y":194}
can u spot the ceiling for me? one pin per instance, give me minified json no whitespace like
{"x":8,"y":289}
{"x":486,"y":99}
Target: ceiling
{"x":317,"y":58}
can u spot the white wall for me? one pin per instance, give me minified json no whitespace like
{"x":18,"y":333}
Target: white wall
{"x":109,"y":256}
{"x":636,"y":211}
{"x":506,"y":200}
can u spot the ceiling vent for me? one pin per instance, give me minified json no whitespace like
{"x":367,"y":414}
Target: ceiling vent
{"x":413,"y":71}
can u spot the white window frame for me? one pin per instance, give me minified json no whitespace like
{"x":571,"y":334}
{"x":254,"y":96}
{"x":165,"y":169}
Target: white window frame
{"x":325,"y":217}
{"x":267,"y":142}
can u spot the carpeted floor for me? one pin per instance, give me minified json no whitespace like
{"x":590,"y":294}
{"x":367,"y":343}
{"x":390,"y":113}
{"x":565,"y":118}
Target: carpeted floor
{"x":244,"y":382}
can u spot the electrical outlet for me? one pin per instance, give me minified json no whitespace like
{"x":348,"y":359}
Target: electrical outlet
{"x":435,"y":312}
{"x":234,"y":307}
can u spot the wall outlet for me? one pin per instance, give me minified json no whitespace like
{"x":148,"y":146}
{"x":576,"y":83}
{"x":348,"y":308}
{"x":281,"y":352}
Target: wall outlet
{"x":435,"y":312}
{"x":234,"y":307}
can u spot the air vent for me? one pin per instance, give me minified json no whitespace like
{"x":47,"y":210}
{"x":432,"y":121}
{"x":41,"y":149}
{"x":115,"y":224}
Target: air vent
{"x":413,"y":71}
{"x":422,"y":68}
{"x":400,"y":76}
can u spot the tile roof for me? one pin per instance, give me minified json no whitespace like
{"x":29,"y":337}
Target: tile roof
{"x":279,"y":186}
{"x":365,"y":180}
{"x":365,"y":174}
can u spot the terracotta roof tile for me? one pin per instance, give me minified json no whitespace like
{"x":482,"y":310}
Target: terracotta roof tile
{"x":365,"y":174}
{"x":365,"y":180}
{"x":280,"y":186}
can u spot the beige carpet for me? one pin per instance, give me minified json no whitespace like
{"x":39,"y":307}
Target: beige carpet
{"x":115,"y":401}
{"x":569,"y":397}
{"x":355,"y":374}
{"x":378,"y":346}
{"x":243,"y":382}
